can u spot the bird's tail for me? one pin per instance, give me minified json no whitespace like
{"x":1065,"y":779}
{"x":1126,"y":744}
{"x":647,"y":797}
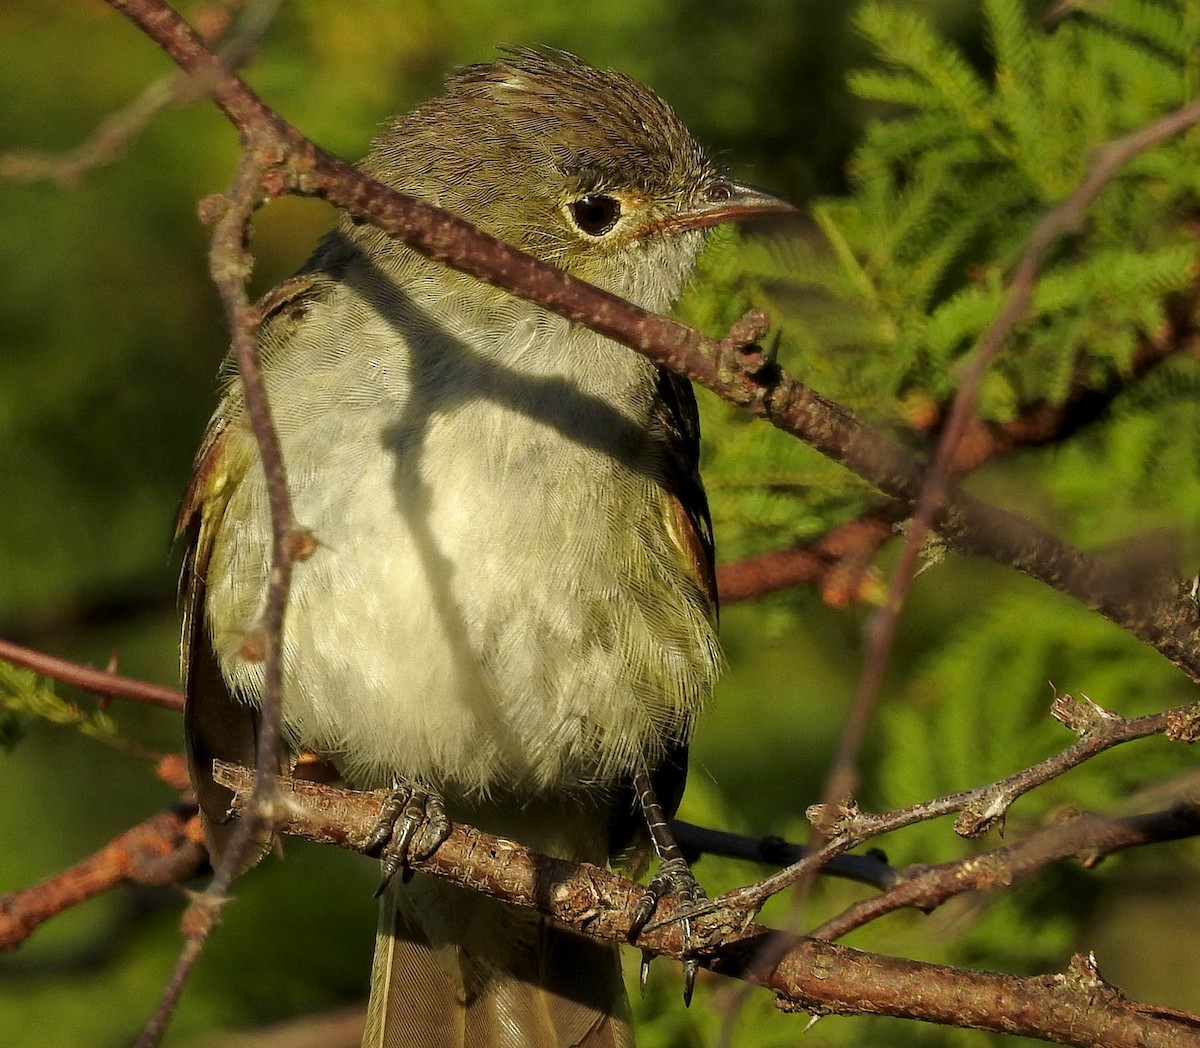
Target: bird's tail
{"x":455,"y":970}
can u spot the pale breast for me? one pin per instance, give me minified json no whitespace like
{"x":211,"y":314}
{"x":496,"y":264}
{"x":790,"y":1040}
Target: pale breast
{"x":497,"y":599}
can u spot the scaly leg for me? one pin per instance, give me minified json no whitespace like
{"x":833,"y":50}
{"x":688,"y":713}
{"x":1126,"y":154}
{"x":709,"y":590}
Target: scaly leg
{"x":674,"y":878}
{"x":412,"y":823}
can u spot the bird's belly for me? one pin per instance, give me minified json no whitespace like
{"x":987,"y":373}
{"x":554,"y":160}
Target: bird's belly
{"x":484,"y":622}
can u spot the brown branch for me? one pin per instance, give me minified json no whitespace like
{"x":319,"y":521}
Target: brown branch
{"x":1088,"y":838}
{"x":837,"y":564}
{"x":937,"y":495}
{"x":1159,"y":616}
{"x":162,"y":850}
{"x":1076,"y":1007}
{"x":86,"y":678}
{"x":230,"y":268}
{"x":156,"y":853}
{"x":114,"y":134}
{"x":1099,"y":730}
{"x":847,"y":826}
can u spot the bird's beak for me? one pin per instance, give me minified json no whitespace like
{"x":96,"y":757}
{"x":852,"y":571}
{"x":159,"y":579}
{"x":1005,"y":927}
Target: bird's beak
{"x":728,"y":201}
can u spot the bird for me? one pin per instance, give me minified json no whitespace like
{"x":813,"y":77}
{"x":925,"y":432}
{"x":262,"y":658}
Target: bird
{"x":511,"y":605}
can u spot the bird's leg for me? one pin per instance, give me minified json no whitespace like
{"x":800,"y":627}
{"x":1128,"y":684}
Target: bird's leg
{"x":674,"y":878}
{"x":412,"y":823}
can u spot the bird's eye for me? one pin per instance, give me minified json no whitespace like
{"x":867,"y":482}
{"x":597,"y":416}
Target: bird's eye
{"x":719,"y":191}
{"x":596,"y":213}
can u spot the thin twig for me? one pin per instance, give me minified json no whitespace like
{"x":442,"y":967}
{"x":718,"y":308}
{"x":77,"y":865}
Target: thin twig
{"x":112,"y":137}
{"x":102,"y":682}
{"x":1087,"y":837}
{"x":230,"y":268}
{"x":849,"y":826}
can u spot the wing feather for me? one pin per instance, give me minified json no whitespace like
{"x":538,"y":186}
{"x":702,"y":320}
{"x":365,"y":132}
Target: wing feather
{"x":678,"y":421}
{"x":217,"y":725}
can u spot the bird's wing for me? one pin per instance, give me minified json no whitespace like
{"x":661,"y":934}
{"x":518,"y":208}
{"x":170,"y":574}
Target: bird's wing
{"x":678,"y":421}
{"x":217,"y":725}
{"x":676,"y":417}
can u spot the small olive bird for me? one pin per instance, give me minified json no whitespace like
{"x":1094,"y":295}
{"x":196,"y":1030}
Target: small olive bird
{"x":511,"y":608}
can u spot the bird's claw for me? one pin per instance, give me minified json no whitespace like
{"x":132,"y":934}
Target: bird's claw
{"x":412,"y":823}
{"x":674,"y":879}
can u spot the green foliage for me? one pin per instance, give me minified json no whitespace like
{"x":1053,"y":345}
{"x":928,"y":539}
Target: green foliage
{"x":767,"y":489}
{"x":878,"y":305}
{"x":24,"y":696}
{"x":989,"y":688}
{"x":945,"y":194}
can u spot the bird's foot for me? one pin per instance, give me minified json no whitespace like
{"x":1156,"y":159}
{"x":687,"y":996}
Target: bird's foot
{"x":412,"y":823}
{"x":673,"y":880}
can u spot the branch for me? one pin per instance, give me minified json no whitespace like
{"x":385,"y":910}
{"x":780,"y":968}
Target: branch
{"x":847,"y":826}
{"x":1087,"y":837}
{"x":1075,"y":1007}
{"x":738,"y":373}
{"x":165,"y":849}
{"x":115,"y":133}
{"x":88,"y":679}
{"x":838,"y":563}
{"x":230,"y":268}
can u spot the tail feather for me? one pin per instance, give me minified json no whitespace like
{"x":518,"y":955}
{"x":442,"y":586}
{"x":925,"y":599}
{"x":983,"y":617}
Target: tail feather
{"x":414,"y":1002}
{"x":454,"y":970}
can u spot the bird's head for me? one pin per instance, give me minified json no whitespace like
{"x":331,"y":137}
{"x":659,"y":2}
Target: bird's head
{"x":582,"y":168}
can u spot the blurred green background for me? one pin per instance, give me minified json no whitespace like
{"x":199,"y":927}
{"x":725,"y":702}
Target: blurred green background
{"x":110,"y":337}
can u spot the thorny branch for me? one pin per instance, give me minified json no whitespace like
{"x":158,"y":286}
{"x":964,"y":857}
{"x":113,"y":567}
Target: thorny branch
{"x":1087,"y":837}
{"x":1076,"y":1007}
{"x":981,"y":808}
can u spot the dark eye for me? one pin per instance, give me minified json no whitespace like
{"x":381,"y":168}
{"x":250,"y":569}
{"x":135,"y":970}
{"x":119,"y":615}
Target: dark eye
{"x":719,"y":191}
{"x":595,"y":213}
